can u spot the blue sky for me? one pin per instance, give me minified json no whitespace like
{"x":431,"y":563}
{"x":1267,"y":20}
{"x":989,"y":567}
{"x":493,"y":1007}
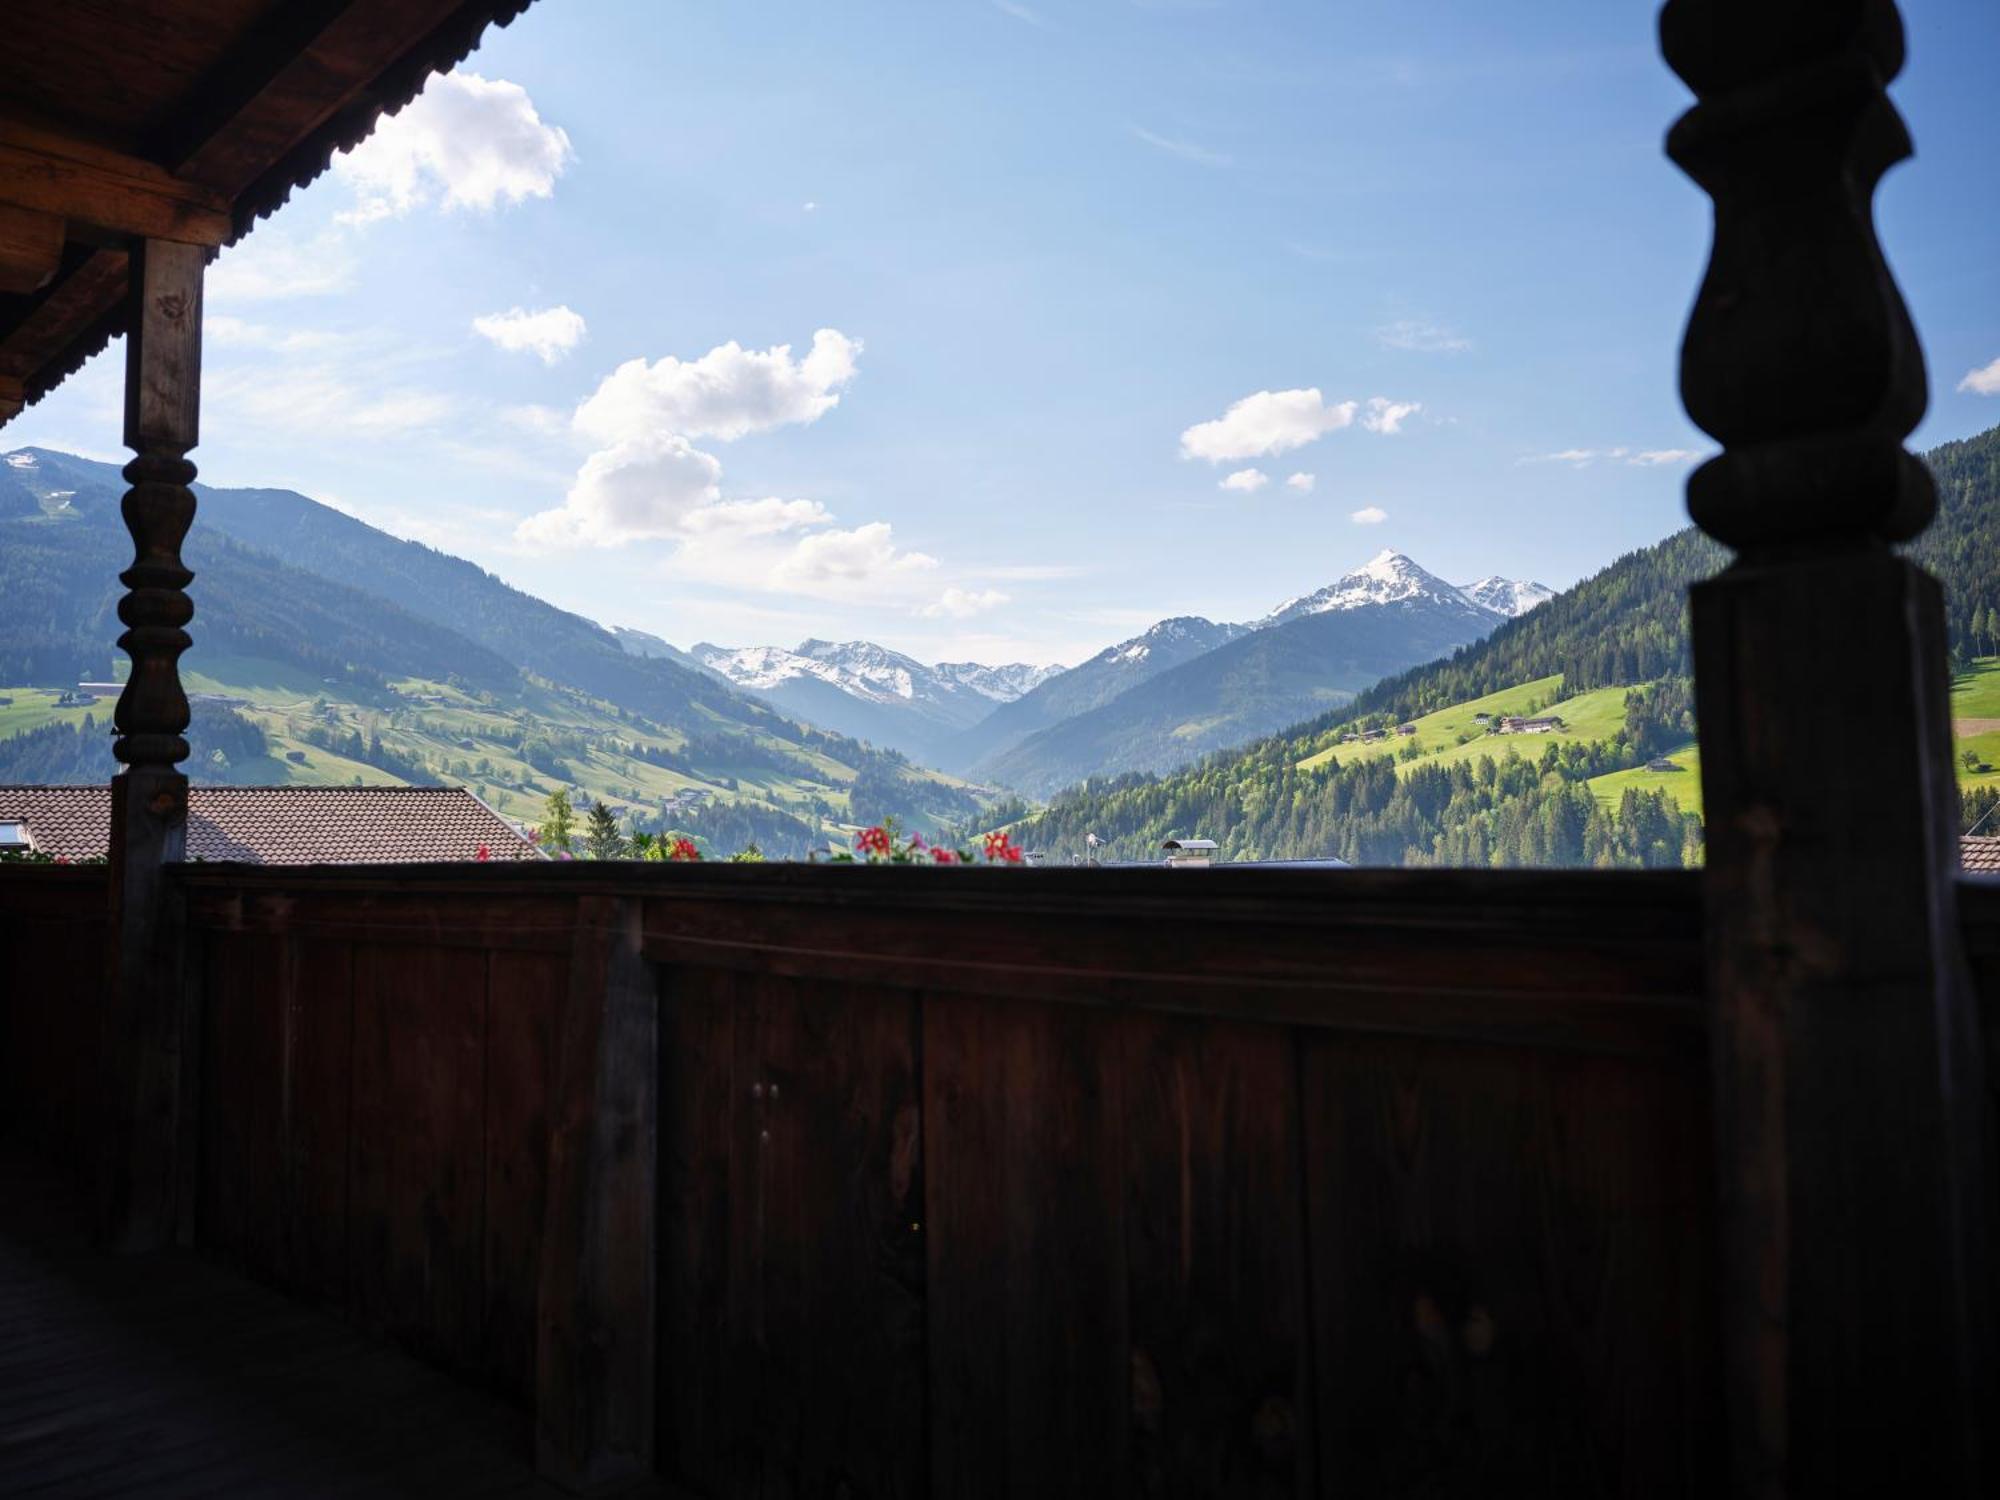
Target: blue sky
{"x":987,"y":329}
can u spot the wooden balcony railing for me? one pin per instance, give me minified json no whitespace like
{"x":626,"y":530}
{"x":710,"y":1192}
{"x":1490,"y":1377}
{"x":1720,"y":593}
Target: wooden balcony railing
{"x":1049,"y":1182}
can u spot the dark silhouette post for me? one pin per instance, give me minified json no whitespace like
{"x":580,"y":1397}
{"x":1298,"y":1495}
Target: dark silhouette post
{"x":142,"y":1115}
{"x":1849,"y":1093}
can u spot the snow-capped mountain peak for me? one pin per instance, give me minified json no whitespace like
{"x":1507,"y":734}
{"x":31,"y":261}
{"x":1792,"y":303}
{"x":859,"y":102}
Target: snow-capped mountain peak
{"x":866,"y":670}
{"x":1510,"y":596}
{"x":1003,"y":684}
{"x":1389,"y":577}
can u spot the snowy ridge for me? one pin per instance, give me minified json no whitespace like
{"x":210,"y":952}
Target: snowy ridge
{"x":1510,"y":596}
{"x":874,"y":673}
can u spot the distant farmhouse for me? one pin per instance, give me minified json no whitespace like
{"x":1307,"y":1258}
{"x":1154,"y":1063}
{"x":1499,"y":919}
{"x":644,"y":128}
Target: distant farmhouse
{"x":277,"y":825}
{"x":1546,"y":724}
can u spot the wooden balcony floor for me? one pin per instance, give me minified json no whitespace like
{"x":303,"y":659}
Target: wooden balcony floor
{"x":167,"y":1376}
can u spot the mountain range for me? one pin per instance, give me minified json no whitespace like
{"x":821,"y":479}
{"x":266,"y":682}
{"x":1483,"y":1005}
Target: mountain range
{"x":1616,"y":785}
{"x":332,"y":630}
{"x":1183,"y":687}
{"x":870,"y":692}
{"x":285,"y":579}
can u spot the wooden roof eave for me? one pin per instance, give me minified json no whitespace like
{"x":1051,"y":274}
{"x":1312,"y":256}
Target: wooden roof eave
{"x":302,"y":83}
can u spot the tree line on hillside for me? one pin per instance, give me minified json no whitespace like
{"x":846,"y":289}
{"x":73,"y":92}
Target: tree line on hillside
{"x":221,"y":744}
{"x":1497,"y":810}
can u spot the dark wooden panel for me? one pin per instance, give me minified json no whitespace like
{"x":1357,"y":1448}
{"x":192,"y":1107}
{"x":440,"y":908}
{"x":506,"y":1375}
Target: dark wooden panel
{"x":242,"y":1063}
{"x":816,"y":1384}
{"x":701,"y":1423}
{"x":524,"y":1007}
{"x":318,"y":1081}
{"x":1214,"y":1260}
{"x":1511,"y":1278}
{"x":1031,"y":1365}
{"x":53,"y":924}
{"x":416,"y":1176}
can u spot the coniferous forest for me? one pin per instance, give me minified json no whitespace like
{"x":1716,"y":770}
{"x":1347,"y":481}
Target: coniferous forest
{"x":1520,"y":805}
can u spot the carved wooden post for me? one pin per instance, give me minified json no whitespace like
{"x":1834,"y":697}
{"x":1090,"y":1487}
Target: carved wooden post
{"x":1849,"y":1101}
{"x":142,"y":1041}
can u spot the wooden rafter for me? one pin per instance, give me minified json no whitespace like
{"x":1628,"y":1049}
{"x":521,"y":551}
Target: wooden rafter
{"x":256,"y":103}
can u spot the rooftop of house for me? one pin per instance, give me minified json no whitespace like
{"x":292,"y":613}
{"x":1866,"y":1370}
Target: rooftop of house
{"x":1979,"y":856}
{"x":283,"y":825}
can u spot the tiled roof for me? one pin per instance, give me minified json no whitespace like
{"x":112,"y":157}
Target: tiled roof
{"x":284,"y":825}
{"x":1979,"y":856}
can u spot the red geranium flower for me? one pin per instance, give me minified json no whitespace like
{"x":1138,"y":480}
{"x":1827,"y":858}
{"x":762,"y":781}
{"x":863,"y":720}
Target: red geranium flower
{"x":683,"y":849}
{"x":873,"y":841}
{"x":482,"y":854}
{"x":943,"y":856}
{"x":1001,"y":849}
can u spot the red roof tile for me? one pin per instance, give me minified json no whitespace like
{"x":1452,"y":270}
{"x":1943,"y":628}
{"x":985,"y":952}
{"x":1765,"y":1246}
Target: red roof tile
{"x":1979,"y":856}
{"x":284,"y":825}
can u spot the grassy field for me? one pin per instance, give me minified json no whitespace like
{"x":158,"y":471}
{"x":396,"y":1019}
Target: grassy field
{"x":1684,"y":785}
{"x":32,"y":708}
{"x":1455,"y":735}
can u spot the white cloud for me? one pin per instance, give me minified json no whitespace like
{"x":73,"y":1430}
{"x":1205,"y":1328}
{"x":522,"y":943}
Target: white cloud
{"x":864,"y":561}
{"x":1983,"y":382}
{"x":1386,"y":417}
{"x":1266,"y":423}
{"x":1246,"y":481}
{"x":1020,"y":12}
{"x":548,"y":334}
{"x":464,"y":142}
{"x":1645,"y":458}
{"x":1303,"y":483}
{"x":1369,"y":515}
{"x":729,"y":392}
{"x":751,"y":518}
{"x":223,"y":331}
{"x":321,"y":398}
{"x":962,"y":604}
{"x":1419,"y":337}
{"x":645,"y":487}
{"x":272,"y":264}
{"x":1200,"y":156}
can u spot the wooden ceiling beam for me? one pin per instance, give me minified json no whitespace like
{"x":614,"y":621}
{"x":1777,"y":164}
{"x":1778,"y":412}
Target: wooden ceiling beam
{"x":64,"y":311}
{"x":31,"y":247}
{"x":311,"y":62}
{"x":48,"y":173}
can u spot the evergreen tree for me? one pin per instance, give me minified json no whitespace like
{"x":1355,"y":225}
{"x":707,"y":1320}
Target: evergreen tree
{"x":601,"y":838}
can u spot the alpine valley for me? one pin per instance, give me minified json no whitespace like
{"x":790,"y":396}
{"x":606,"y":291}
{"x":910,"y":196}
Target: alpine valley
{"x":1362,"y":720}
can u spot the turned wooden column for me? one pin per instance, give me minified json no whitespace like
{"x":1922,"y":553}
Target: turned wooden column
{"x":143,"y":1114}
{"x":1849,"y":1097}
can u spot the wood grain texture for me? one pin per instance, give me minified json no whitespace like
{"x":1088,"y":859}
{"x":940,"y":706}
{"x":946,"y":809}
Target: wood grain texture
{"x":31,"y":247}
{"x":524,"y":1014}
{"x":416,"y":1174}
{"x":60,"y":175}
{"x":795,"y":1268}
{"x":1510,"y":1283}
{"x":1032,"y":1379}
{"x":596,"y":1317}
{"x":1215,"y":1259}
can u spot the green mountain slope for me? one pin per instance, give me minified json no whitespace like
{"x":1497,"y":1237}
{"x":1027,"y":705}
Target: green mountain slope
{"x":1088,"y":685}
{"x":1609,"y":656}
{"x":315,"y":676}
{"x":1249,"y":687}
